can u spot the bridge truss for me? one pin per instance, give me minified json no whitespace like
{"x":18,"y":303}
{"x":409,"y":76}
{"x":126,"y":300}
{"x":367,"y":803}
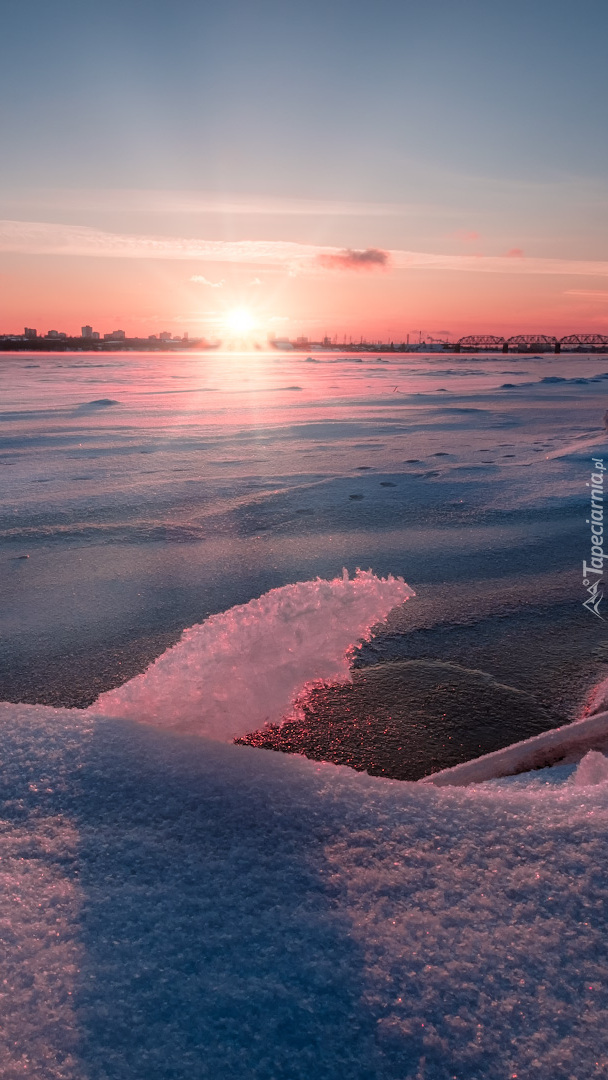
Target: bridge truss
{"x":531,"y":342}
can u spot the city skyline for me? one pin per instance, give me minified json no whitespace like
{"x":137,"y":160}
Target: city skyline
{"x":245,"y":341}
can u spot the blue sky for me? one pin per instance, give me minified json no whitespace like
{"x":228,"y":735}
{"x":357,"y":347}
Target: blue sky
{"x":317,"y":99}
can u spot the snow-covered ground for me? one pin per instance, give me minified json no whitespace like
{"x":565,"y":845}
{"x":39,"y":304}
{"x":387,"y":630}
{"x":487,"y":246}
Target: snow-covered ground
{"x":176,"y":908}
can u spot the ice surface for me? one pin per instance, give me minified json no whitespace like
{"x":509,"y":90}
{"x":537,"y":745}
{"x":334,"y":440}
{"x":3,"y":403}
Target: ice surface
{"x":176,"y":908}
{"x":244,"y":667}
{"x":211,"y":482}
{"x":598,"y":698}
{"x":567,"y":743}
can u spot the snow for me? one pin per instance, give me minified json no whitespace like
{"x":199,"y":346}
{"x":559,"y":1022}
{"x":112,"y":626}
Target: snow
{"x":244,"y":667}
{"x":592,"y":769}
{"x":177,"y":907}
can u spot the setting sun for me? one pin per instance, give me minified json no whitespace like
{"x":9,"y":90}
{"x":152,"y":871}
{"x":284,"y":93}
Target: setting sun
{"x":239,"y":321}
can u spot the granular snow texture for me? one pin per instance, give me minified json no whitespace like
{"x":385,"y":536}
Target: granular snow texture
{"x":186,"y":909}
{"x":244,"y":667}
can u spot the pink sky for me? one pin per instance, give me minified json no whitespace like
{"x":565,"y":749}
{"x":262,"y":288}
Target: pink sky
{"x":285,"y":266}
{"x":267,"y":142}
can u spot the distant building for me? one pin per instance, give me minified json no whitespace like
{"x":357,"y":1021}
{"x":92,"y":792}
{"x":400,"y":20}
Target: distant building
{"x":29,"y":333}
{"x":116,"y":335}
{"x":95,"y":335}
{"x":165,"y":336}
{"x":152,"y":337}
{"x":56,"y":335}
{"x":86,"y":332}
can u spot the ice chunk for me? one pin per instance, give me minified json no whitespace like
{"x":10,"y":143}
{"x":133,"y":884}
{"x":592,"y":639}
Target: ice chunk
{"x":243,"y":668}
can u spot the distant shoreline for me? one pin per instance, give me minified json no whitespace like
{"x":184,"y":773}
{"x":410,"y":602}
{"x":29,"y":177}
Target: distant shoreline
{"x":130,"y":345}
{"x":84,"y":346}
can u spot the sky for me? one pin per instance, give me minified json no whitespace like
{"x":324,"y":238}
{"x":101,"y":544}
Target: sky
{"x":323,"y":168}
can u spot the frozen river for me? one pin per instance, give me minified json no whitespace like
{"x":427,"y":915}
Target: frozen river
{"x":150,"y":491}
{"x":174,"y":906}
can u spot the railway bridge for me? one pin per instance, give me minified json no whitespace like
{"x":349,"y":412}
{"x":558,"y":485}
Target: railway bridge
{"x":533,"y":343}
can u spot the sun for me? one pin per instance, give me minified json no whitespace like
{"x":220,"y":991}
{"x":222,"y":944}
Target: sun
{"x":239,"y":321}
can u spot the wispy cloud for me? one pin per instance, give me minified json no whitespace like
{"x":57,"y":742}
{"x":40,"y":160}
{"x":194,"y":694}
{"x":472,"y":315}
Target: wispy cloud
{"x":349,"y":259}
{"x":145,"y":201}
{"x":467,"y":236}
{"x":498,"y":264}
{"x":589,"y":294}
{"x":200,"y":279}
{"x":42,"y":238}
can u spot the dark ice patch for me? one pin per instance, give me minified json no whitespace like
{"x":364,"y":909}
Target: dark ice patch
{"x":407,"y":719}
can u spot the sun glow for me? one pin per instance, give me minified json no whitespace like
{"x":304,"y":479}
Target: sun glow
{"x":239,"y":321}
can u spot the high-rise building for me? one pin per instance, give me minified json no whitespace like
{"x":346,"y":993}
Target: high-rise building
{"x":164,"y":336}
{"x":86,"y":332}
{"x":116,"y":335}
{"x":29,"y":333}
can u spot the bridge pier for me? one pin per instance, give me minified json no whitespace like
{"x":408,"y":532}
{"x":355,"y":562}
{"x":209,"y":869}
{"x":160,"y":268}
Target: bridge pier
{"x":558,"y":347}
{"x":505,"y":347}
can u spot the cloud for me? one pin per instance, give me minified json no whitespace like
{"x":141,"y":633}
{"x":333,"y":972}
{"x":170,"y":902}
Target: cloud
{"x":589,"y":294}
{"x":350,"y":259}
{"x":514,"y":253}
{"x":468,"y":236}
{"x":44,"y":238}
{"x":188,"y":202}
{"x":497,"y":264}
{"x":201,"y":280}
{"x":255,"y":281}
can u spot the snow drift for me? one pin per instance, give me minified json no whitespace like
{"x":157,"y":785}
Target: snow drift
{"x":243,"y":668}
{"x":174,"y":907}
